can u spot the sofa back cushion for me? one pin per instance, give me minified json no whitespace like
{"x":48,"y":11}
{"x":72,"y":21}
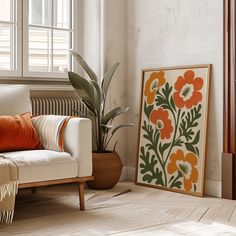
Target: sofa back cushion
{"x":17,"y":133}
{"x":50,"y":130}
{"x":14,"y":100}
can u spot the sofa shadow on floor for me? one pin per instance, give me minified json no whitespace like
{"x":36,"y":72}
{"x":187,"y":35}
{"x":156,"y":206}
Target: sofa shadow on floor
{"x":53,"y":200}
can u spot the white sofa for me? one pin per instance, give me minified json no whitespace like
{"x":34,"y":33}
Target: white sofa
{"x":45,"y":167}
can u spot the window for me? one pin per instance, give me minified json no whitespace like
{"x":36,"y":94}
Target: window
{"x":9,"y":37}
{"x":47,"y":33}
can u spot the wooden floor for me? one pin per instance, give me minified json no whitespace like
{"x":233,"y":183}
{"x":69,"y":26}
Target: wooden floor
{"x":125,"y":210}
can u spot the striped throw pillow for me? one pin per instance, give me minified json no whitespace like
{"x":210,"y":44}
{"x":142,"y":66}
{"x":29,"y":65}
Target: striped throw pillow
{"x":50,"y":130}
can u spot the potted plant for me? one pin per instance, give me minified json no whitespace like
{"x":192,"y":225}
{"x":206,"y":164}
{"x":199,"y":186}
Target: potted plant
{"x":107,"y":165}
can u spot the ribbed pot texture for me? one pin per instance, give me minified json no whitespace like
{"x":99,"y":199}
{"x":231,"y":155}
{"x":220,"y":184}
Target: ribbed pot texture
{"x":107,"y":169}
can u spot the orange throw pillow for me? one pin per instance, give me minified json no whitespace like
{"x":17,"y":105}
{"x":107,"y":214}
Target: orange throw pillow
{"x":17,"y":133}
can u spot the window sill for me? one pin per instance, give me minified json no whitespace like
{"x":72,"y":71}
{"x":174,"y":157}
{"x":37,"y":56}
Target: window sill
{"x":42,"y":87}
{"x":33,"y":79}
{"x":49,"y":84}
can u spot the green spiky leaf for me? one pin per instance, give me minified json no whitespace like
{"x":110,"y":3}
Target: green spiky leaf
{"x":113,"y":113}
{"x":120,"y":126}
{"x":84,"y":65}
{"x":98,"y":95}
{"x":106,"y":128}
{"x":107,"y":78}
{"x":84,"y":89}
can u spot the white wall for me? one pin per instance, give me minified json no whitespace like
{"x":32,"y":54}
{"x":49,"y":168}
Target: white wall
{"x":164,"y":33}
{"x":160,"y":33}
{"x":114,"y":50}
{"x":89,"y":36}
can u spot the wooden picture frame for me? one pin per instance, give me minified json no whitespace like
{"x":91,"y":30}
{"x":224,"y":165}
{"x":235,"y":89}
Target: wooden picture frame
{"x":172,"y":142}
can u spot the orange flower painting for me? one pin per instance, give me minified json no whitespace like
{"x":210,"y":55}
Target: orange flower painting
{"x":155,"y":81}
{"x":188,"y":88}
{"x":186,"y":165}
{"x":173,"y":122}
{"x":160,"y":118}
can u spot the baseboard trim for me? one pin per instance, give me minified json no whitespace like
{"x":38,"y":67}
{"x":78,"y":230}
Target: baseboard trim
{"x":212,"y":187}
{"x":124,"y":174}
{"x":131,"y":173}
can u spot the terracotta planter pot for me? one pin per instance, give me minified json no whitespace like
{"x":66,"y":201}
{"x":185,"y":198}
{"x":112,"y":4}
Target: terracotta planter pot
{"x":107,"y":169}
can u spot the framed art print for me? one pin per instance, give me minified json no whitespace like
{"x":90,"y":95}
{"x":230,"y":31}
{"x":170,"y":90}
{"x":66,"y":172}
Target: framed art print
{"x":173,"y":128}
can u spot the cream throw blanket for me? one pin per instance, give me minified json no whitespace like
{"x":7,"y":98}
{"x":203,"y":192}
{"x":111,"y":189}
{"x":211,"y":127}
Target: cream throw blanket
{"x":8,"y":189}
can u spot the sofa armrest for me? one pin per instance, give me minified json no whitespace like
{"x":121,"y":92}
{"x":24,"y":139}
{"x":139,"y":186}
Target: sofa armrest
{"x":77,"y":139}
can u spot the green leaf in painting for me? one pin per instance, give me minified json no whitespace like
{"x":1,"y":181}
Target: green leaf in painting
{"x":160,"y":101}
{"x":164,"y":98}
{"x":158,"y":177}
{"x":163,"y":148}
{"x":148,"y":109}
{"x":190,"y":148}
{"x":152,"y":136}
{"x":167,"y":90}
{"x":179,"y":143}
{"x":172,"y":103}
{"x":196,"y":139}
{"x":171,"y":178}
{"x":197,"y":150}
{"x":176,"y":184}
{"x":149,"y":161}
{"x":147,"y":178}
{"x":148,"y":168}
{"x":189,"y":122}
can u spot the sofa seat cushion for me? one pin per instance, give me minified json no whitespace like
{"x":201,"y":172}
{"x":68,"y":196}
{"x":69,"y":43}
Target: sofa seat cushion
{"x":43,"y":165}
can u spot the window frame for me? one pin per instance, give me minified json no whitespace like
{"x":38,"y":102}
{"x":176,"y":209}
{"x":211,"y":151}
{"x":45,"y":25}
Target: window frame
{"x":22,"y":72}
{"x":26,"y":72}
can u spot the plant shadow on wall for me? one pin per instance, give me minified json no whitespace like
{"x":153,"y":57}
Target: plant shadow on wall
{"x":170,"y":130}
{"x":94,"y":94}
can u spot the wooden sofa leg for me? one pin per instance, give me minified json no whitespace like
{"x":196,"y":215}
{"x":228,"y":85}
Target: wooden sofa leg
{"x":81,"y":196}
